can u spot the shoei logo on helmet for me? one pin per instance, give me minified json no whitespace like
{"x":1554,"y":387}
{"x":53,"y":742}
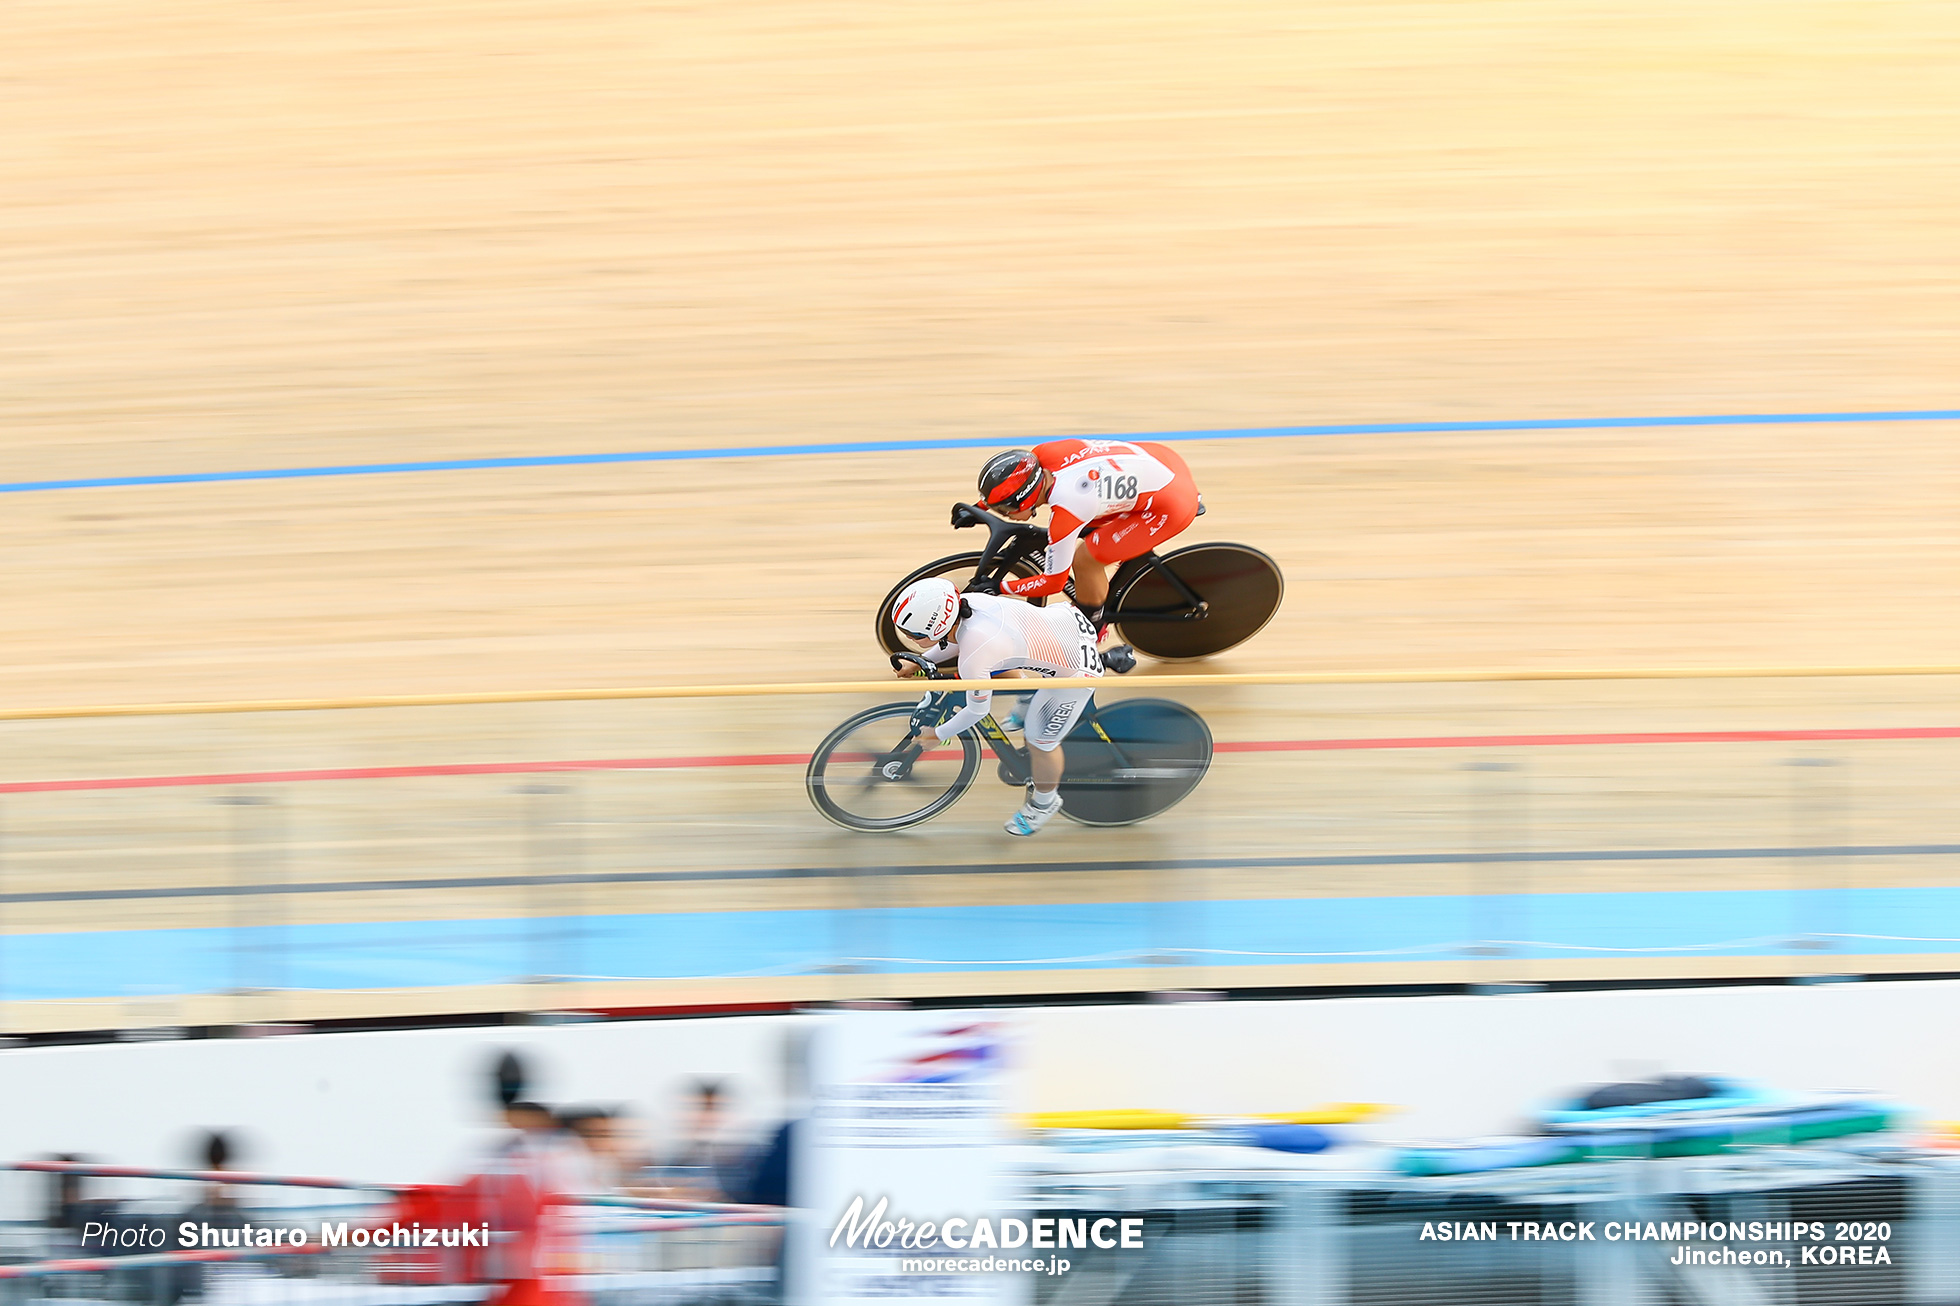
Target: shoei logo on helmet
{"x":926,"y":611}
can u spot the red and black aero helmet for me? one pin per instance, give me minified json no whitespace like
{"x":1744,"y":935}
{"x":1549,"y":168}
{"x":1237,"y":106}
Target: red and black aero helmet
{"x":1011,"y":479}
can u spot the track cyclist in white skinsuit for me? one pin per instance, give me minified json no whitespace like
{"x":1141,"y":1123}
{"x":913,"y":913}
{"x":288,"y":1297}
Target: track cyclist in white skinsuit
{"x":1005,"y":637}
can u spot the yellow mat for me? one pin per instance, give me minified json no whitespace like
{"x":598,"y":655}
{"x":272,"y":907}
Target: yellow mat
{"x":1334,"y":1113}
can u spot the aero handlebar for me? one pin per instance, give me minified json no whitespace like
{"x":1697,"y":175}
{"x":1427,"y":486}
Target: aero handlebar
{"x":1025,"y":536}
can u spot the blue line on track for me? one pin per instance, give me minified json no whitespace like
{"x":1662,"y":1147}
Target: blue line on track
{"x":964,"y":442}
{"x":978,"y":868}
{"x":1083,"y":936}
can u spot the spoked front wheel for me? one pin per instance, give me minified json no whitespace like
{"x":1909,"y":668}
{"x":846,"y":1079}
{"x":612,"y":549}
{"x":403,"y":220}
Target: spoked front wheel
{"x":1152,"y":601}
{"x":1132,"y":760}
{"x":862,"y":779}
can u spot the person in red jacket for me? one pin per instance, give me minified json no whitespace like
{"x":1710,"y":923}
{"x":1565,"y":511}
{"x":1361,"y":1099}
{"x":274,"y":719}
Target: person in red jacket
{"x":523,"y":1189}
{"x":1108,"y":501}
{"x":521,"y":1192}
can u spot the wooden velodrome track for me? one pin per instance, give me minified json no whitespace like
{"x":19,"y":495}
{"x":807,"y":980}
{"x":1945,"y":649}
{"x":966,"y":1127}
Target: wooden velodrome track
{"x":247,"y":238}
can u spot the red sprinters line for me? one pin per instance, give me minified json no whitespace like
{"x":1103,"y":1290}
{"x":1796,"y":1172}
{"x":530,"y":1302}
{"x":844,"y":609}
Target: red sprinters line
{"x":798,"y":759}
{"x":402,"y":772}
{"x":1559,"y":741}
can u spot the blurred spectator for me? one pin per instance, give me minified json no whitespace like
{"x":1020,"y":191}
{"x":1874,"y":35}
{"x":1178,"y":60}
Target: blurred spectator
{"x":217,"y":1206}
{"x":69,"y":1212}
{"x":632,"y":1160}
{"x":586,"y":1129}
{"x":603,"y":1154}
{"x":521,"y":1194}
{"x":770,"y":1182}
{"x":702,"y":1165}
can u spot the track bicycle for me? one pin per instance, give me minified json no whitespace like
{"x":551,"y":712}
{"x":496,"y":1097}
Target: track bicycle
{"x":1123,"y":763}
{"x":1189,"y":603}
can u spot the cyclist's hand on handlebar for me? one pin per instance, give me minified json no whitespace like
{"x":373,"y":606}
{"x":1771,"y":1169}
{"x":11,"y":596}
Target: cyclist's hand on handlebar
{"x":982,"y":585}
{"x":965,"y":514}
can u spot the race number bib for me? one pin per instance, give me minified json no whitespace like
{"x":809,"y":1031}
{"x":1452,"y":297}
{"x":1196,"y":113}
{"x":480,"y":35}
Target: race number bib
{"x":1113,"y":489}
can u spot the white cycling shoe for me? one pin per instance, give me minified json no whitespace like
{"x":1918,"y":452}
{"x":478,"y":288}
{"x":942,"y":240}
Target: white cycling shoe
{"x":1031,"y":818}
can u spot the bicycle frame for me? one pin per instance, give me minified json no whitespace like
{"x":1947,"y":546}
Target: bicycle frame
{"x":1194,"y":606}
{"x":1013,"y":757}
{"x":1115,"y":775}
{"x":1010,"y":542}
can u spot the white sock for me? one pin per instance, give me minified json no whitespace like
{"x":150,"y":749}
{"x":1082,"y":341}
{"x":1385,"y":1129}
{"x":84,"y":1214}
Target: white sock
{"x":1054,"y":796}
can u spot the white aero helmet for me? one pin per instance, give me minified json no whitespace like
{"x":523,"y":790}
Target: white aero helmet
{"x":926,"y":612}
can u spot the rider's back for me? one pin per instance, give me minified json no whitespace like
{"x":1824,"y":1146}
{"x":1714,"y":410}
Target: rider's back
{"x":1095,"y":479}
{"x":1008,"y":635}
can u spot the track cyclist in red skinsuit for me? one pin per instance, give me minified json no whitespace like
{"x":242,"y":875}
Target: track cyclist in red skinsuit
{"x":1108,"y":501}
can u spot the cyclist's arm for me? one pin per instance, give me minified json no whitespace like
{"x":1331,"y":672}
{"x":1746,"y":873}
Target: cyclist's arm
{"x":978,"y":704}
{"x":938,"y":655}
{"x":1064,"y":528}
{"x":977,"y":665}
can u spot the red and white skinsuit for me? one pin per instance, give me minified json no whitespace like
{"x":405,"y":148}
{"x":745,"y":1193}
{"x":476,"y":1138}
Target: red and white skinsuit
{"x":1122,"y":499}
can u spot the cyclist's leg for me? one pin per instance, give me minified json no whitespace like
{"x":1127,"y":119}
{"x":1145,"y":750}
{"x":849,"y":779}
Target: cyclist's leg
{"x":1051,"y":715}
{"x":1011,"y":709}
{"x":1045,"y":768}
{"x":1091,"y":577}
{"x":1158,"y":517}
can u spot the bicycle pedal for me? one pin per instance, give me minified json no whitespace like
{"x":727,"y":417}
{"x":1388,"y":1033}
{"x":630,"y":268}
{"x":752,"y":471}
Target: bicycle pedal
{"x":1122,"y":659}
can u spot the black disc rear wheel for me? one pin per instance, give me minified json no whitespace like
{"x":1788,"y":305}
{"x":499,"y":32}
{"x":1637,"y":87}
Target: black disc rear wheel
{"x":1131,"y":760}
{"x":1240,"y":587}
{"x":959,"y":569}
{"x":855,"y":780}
